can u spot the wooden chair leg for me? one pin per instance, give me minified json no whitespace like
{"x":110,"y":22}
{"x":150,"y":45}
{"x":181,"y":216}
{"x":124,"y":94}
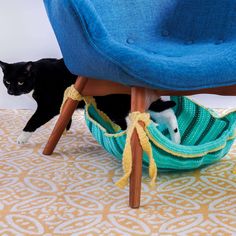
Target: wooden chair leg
{"x":64,"y":118}
{"x":137,"y":104}
{"x":141,"y":99}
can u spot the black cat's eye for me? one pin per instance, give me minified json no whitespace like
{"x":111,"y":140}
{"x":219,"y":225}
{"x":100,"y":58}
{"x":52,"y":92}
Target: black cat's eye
{"x":20,"y":83}
{"x":7,"y":82}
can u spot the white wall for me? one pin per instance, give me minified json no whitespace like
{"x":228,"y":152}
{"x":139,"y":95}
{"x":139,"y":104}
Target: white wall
{"x":27,"y":35}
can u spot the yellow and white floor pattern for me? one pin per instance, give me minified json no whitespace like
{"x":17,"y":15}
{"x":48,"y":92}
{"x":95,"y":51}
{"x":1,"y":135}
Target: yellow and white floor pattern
{"x":72,"y":192}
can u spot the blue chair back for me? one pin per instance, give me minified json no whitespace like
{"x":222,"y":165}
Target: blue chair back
{"x":202,"y":20}
{"x":184,"y":20}
{"x":146,"y":42}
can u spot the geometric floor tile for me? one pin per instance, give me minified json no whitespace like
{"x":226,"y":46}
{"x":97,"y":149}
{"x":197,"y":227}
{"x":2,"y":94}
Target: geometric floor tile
{"x":72,"y":192}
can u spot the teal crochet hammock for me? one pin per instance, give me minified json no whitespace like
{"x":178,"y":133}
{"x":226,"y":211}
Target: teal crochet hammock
{"x":205,"y":137}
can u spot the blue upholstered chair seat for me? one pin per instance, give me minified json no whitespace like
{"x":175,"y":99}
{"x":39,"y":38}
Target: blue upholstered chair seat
{"x":166,"y":44}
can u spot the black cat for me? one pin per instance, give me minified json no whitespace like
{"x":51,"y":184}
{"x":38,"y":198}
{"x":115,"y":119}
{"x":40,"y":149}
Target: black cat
{"x":48,"y":79}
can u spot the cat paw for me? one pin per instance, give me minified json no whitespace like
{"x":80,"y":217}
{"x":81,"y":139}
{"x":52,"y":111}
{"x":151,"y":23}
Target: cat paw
{"x":24,"y":137}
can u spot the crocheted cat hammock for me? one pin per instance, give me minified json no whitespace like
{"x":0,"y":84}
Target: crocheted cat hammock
{"x":205,"y":137}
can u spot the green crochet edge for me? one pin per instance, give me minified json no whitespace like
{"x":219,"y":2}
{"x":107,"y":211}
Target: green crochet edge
{"x":205,"y":137}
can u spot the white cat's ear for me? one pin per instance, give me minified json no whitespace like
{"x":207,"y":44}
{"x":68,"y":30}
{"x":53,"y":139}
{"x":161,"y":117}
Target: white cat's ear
{"x":28,"y":67}
{"x":3,"y":65}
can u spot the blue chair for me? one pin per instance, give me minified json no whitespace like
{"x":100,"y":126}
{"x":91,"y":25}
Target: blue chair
{"x":146,"y":48}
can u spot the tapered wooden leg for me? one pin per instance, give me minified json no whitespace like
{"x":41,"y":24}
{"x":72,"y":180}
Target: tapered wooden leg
{"x":64,"y":118}
{"x":136,"y":175}
{"x":137,"y":104}
{"x":141,"y":99}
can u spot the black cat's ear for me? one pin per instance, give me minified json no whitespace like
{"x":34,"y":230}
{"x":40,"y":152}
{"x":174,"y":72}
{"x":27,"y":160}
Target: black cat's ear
{"x":3,"y":65}
{"x":28,"y":67}
{"x":169,"y":104}
{"x":160,"y":105}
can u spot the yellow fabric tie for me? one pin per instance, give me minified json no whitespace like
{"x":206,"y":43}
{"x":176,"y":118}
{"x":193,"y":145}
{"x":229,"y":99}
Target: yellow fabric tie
{"x":72,"y":93}
{"x":135,"y":117}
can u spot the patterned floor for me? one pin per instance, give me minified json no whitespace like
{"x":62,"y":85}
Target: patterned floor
{"x":73,"y":191}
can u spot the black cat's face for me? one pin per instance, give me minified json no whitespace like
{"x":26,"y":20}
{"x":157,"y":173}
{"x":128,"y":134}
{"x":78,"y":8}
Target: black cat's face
{"x":18,"y":77}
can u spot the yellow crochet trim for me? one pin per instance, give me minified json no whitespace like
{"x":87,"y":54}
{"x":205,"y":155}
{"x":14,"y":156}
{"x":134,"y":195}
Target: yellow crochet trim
{"x":104,"y":116}
{"x":184,"y":155}
{"x":135,"y":117}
